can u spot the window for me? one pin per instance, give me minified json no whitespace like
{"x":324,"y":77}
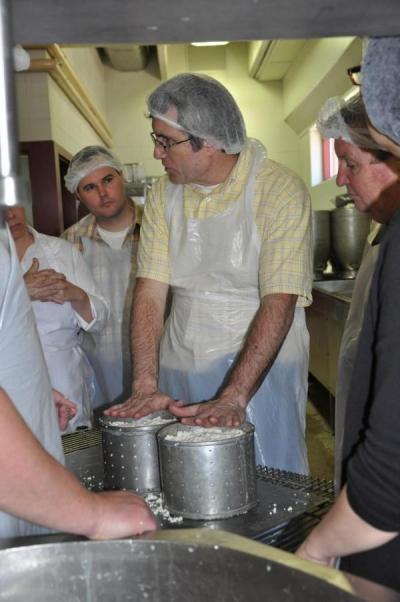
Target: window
{"x":323,"y":160}
{"x":329,"y":159}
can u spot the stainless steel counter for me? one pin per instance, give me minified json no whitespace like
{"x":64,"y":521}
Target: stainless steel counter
{"x":339,"y":289}
{"x":325,"y":320}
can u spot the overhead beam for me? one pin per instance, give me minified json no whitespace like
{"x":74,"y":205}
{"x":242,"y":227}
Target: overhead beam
{"x":152,"y":22}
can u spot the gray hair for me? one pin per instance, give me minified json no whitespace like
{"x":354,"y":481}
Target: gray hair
{"x":348,"y":120}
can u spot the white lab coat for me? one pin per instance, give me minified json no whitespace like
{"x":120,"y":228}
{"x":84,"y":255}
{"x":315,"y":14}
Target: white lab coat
{"x":214,"y":278}
{"x":23,"y":373}
{"x":59,"y":325}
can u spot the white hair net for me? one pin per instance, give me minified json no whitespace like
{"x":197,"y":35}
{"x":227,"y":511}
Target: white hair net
{"x":87,"y":160}
{"x":345,"y":119}
{"x":205,"y":109}
{"x":380,"y":84}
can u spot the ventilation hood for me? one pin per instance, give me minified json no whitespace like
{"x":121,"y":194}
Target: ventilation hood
{"x":125,"y":57}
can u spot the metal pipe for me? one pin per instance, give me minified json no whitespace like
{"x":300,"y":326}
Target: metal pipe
{"x":13,"y":191}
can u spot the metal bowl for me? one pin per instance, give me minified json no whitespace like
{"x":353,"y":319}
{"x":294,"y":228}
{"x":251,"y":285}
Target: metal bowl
{"x":191,"y":565}
{"x":208,"y":479}
{"x":130,"y":452}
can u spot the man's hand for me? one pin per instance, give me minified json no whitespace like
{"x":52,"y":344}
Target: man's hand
{"x":140,"y":404}
{"x":66,"y":291}
{"x":217,"y":412}
{"x":66,"y":409}
{"x":42,"y":284}
{"x":120,"y":514}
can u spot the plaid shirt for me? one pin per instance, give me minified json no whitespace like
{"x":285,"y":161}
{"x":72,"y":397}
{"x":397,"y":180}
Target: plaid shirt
{"x":87,"y":227}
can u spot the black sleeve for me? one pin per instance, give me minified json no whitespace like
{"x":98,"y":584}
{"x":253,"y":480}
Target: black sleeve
{"x":373,"y":476}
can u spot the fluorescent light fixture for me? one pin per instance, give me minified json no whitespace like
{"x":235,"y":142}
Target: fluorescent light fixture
{"x":209,"y":43}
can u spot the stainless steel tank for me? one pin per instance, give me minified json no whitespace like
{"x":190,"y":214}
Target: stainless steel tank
{"x":170,"y":566}
{"x":130,"y":452}
{"x":209,"y":478}
{"x":350,"y":229}
{"x":321,"y":226}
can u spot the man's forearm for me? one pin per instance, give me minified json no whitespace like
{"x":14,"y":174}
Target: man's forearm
{"x":147,"y":323}
{"x":261,"y":346}
{"x":44,"y":492}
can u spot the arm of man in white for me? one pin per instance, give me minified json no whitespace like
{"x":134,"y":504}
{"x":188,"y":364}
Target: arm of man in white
{"x":261,"y":345}
{"x":340,"y":533}
{"x":148,"y":310}
{"x":35,"y":487}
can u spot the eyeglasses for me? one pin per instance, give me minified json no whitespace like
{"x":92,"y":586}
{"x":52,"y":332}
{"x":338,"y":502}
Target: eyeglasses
{"x":354,"y":74}
{"x":166,"y":143}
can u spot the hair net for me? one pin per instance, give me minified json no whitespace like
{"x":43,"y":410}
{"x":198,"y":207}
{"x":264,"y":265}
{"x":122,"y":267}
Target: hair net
{"x":380,"y":85}
{"x":205,"y":109}
{"x":346,"y":119}
{"x":87,"y":160}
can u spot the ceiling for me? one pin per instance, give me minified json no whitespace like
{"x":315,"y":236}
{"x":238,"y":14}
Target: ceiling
{"x":149,"y":22}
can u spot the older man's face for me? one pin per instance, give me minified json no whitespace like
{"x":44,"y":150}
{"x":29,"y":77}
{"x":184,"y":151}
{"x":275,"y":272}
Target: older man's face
{"x":370,"y":183}
{"x":182,"y":164}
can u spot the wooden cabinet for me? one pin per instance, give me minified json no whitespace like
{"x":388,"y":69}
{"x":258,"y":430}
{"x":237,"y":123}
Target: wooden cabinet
{"x":54,"y":208}
{"x":326,"y":318}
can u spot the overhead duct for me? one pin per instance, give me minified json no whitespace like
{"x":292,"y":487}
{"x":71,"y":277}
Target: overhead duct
{"x":125,"y":58}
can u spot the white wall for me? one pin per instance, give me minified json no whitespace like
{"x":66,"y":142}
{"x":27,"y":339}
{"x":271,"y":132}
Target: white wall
{"x":45,"y":113}
{"x":33,"y":107}
{"x":69,"y":128}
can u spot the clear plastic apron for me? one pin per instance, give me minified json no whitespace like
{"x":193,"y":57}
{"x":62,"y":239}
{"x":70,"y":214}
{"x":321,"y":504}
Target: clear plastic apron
{"x":214,"y":278}
{"x":23,"y":373}
{"x":349,"y":342}
{"x":109,"y":350}
{"x":69,"y":369}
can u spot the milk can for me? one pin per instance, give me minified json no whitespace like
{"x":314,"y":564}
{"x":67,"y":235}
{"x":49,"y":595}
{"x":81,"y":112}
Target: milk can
{"x":207,"y":473}
{"x":130,"y":451}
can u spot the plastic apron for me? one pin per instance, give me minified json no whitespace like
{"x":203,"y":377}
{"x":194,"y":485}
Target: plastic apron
{"x":109,"y":350}
{"x":69,"y":369}
{"x":214,"y":278}
{"x":23,"y":373}
{"x":349,"y":342}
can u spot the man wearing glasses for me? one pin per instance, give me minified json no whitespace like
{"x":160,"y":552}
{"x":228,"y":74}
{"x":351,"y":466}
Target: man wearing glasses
{"x":229,"y":231}
{"x":108,"y":239}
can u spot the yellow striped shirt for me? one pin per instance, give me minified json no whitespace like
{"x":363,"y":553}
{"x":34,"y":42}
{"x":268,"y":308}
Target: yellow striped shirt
{"x":282,"y":211}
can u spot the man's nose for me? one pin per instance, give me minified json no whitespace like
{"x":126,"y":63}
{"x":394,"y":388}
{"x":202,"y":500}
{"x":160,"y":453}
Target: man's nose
{"x":101,"y":189}
{"x":159,"y":152}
